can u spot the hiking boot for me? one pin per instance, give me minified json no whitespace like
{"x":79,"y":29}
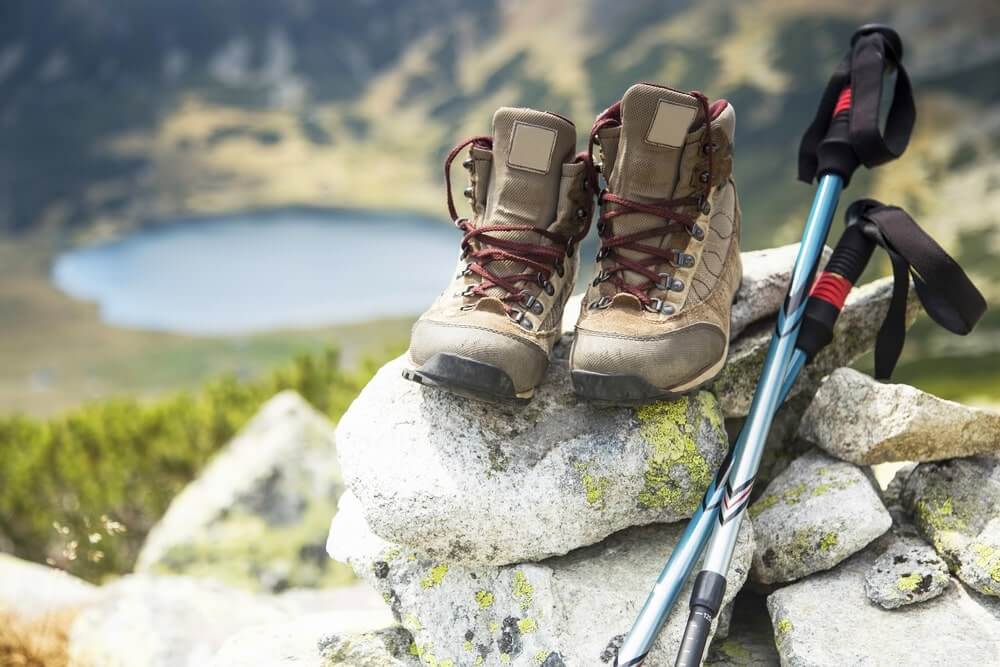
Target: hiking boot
{"x":489,"y":335}
{"x":655,"y":322}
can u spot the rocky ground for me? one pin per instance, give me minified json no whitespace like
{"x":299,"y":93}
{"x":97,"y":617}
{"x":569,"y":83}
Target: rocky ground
{"x":492,"y":536}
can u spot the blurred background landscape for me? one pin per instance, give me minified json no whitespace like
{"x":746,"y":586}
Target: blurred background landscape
{"x":205,"y":202}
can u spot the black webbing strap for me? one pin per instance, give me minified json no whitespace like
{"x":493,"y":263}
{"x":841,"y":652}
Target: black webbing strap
{"x":945,"y":292}
{"x":864,"y":69}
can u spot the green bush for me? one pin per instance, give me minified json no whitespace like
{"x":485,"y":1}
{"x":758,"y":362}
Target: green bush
{"x":81,"y":491}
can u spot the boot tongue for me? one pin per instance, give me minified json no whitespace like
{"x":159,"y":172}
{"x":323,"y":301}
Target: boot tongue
{"x":529,"y":150}
{"x":654,"y":126}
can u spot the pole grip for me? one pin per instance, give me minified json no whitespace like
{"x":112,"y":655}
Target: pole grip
{"x":829,"y":292}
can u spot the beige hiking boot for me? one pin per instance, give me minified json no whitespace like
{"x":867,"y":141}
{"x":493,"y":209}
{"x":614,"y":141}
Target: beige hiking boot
{"x":655,"y":322}
{"x":490,"y":333}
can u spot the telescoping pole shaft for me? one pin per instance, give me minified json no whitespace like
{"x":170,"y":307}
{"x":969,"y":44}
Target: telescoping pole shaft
{"x":664,"y":594}
{"x":710,"y":585}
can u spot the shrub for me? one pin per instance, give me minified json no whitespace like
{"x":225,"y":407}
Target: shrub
{"x":81,"y":491}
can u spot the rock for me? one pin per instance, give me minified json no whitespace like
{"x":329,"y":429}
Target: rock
{"x":164,"y":622}
{"x":385,"y":648}
{"x":766,"y":274}
{"x":854,"y":334}
{"x":314,"y":640}
{"x":826,"y":621}
{"x":956,"y":505}
{"x":567,"y":610}
{"x":30,"y":591}
{"x":858,"y":419}
{"x":750,"y":642}
{"x":256,"y":517}
{"x":467,"y":482}
{"x":765,"y":281}
{"x":909,"y":571}
{"x":812,"y":516}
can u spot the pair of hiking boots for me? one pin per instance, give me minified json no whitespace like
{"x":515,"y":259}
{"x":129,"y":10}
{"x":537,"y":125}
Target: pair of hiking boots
{"x":654,"y":323}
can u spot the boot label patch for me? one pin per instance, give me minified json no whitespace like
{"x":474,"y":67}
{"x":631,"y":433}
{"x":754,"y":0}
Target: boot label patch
{"x":531,"y":147}
{"x":670,"y":124}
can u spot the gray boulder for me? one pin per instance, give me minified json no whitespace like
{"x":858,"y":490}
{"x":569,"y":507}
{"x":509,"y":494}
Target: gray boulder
{"x":571,"y":610}
{"x":164,"y":622}
{"x":858,"y":419}
{"x":854,"y":334}
{"x":956,"y":505}
{"x":256,"y":517}
{"x":909,"y":571}
{"x":29,"y":591}
{"x":812,"y":516}
{"x":827,"y":621}
{"x":463,"y":481}
{"x":383,"y":648}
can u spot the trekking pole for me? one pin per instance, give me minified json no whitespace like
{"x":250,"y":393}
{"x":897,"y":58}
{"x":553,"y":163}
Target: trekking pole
{"x":852,"y":137}
{"x":844,"y":134}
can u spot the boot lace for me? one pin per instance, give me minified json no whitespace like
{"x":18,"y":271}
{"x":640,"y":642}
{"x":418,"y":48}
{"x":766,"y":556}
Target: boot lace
{"x":616,"y":207}
{"x":480,"y":248}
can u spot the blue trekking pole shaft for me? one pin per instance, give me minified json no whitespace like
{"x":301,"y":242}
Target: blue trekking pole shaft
{"x":664,"y":594}
{"x":844,"y":135}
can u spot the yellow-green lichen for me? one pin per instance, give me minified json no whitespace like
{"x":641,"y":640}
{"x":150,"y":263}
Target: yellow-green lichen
{"x":594,"y":486}
{"x":479,"y":660}
{"x":484,"y":599}
{"x":527,"y":625}
{"x":412,"y":623}
{"x":435,"y":576}
{"x":467,"y":646}
{"x":938,"y":520}
{"x":762,"y":505}
{"x":523,"y":590}
{"x":447,"y":662}
{"x":734,"y":650}
{"x":793,"y":494}
{"x":828,"y":541}
{"x":494,"y":626}
{"x":505,"y":658}
{"x":710,"y":408}
{"x":784,"y":626}
{"x":908,"y":582}
{"x":674,"y":455}
{"x":988,"y":558}
{"x":540,"y":656}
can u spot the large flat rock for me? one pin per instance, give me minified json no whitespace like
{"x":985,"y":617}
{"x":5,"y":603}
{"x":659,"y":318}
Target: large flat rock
{"x":815,"y":514}
{"x":463,"y":481}
{"x":854,"y":334}
{"x":826,"y":620}
{"x":956,"y":505}
{"x":256,"y":517}
{"x":570,"y":610}
{"x":856,"y":418}
{"x":29,"y":591}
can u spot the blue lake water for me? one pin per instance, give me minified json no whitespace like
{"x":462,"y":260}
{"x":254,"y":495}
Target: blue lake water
{"x":260,"y":272}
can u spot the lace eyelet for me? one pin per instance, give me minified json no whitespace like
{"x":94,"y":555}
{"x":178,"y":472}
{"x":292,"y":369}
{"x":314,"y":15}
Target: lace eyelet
{"x":519,"y":318}
{"x":709,"y":148}
{"x":600,"y":304}
{"x":602,"y":254}
{"x":570,"y":249}
{"x":683,"y":261}
{"x":698,"y":233}
{"x":468,"y":163}
{"x":659,"y":306}
{"x":677,"y":285}
{"x":665,"y":281}
{"x":531,"y":302}
{"x":704,"y":176}
{"x":547,"y":286}
{"x":467,"y":292}
{"x":602,"y":227}
{"x":560,"y":269}
{"x":469,"y":192}
{"x":705,"y":206}
{"x":581,"y":213}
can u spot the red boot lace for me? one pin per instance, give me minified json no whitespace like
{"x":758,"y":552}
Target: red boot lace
{"x":615,"y":206}
{"x":481,"y":248}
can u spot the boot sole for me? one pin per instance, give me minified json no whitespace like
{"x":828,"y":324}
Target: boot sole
{"x":631,"y":390}
{"x":469,"y":378}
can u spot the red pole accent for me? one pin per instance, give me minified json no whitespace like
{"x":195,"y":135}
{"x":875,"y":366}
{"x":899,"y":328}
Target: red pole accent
{"x":832,"y":288}
{"x":844,"y":101}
